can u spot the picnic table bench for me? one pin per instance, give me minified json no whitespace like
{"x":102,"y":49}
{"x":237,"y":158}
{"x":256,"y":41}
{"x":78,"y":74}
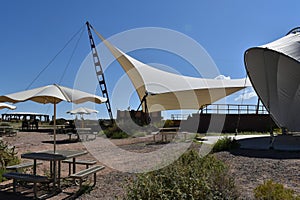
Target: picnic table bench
{"x":87,"y":163}
{"x":85,"y":173}
{"x":22,"y":166}
{"x":28,"y":178}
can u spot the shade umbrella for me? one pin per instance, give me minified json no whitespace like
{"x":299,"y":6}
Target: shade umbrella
{"x":5,"y":105}
{"x":53,"y":94}
{"x":82,"y":111}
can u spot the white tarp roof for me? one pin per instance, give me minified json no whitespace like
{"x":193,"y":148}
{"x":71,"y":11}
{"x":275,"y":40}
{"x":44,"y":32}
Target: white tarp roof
{"x":274,"y":71}
{"x":169,"y":91}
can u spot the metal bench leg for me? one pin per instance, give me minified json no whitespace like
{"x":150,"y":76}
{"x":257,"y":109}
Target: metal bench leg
{"x":95,"y":176}
{"x":14,"y":185}
{"x":35,"y":191}
{"x":58,"y":174}
{"x":80,"y":183}
{"x":70,"y":169}
{"x":51,"y":169}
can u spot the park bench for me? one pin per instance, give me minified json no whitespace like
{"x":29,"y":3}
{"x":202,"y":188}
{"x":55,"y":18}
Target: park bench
{"x":28,"y":178}
{"x":81,"y":175}
{"x":22,"y":166}
{"x":87,"y":163}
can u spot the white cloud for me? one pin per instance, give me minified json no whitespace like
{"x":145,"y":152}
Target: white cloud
{"x":248,"y":94}
{"x":222,"y":77}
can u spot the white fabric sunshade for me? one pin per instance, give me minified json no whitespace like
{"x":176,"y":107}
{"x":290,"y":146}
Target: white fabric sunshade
{"x":5,"y":105}
{"x":52,"y":94}
{"x":274,"y":71}
{"x":81,"y":111}
{"x":169,"y":91}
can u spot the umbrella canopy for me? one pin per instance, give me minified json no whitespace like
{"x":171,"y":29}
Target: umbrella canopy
{"x":5,"y":105}
{"x":274,"y":70}
{"x":52,"y":94}
{"x":81,"y":111}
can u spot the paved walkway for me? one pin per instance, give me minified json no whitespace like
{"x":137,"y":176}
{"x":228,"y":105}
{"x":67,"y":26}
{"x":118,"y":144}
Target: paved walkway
{"x":262,"y":142}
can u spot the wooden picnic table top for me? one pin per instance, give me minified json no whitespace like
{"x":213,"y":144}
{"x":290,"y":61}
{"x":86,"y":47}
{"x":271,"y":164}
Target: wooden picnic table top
{"x":51,"y":156}
{"x":169,"y":129}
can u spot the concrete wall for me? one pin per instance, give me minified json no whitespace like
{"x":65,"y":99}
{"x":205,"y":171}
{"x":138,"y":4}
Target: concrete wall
{"x":228,"y":123}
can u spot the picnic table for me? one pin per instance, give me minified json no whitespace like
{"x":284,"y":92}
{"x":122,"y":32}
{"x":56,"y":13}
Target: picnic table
{"x":7,"y":130}
{"x":85,"y":134}
{"x":55,"y":161}
{"x":165,"y":132}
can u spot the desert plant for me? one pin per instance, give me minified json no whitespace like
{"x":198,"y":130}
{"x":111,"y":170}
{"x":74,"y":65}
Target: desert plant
{"x":8,"y":156}
{"x":5,"y":124}
{"x":190,"y":177}
{"x":115,"y":132}
{"x":274,"y":191}
{"x":225,"y":144}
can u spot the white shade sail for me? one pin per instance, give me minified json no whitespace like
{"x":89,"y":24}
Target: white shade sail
{"x":52,"y":94}
{"x":274,"y":71}
{"x":5,"y":105}
{"x":169,"y":91}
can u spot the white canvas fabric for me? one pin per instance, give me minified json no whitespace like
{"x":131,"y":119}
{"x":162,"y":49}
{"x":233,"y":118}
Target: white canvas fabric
{"x":274,"y":71}
{"x":52,"y":94}
{"x":5,"y":105}
{"x":169,"y":91}
{"x":82,"y":110}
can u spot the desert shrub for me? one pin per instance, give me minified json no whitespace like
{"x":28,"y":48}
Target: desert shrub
{"x":225,"y":144}
{"x":8,"y":156}
{"x":190,"y":177}
{"x":274,"y":191}
{"x":60,"y":121}
{"x":115,"y":132}
{"x":5,"y":124}
{"x":168,"y":123}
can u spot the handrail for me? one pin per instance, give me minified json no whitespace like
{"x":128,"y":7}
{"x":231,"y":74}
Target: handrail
{"x":233,"y":109}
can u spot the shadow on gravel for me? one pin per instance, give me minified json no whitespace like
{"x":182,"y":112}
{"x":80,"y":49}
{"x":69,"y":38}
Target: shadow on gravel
{"x":66,"y":141}
{"x":270,"y":153}
{"x":12,"y":196}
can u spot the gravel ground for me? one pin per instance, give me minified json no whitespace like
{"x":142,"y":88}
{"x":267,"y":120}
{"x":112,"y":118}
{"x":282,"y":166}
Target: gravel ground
{"x":249,"y":167}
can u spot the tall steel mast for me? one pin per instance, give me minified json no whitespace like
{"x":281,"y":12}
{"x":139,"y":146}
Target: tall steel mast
{"x":99,"y":71}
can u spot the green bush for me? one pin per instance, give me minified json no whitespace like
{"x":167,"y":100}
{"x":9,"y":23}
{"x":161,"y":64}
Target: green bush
{"x":225,"y":144}
{"x":190,"y":177}
{"x":8,"y":157}
{"x":115,"y":132}
{"x":274,"y":191}
{"x":168,"y":123}
{"x":5,"y":124}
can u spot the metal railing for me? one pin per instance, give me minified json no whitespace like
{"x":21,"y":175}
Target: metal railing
{"x":179,"y":116}
{"x":233,"y":109}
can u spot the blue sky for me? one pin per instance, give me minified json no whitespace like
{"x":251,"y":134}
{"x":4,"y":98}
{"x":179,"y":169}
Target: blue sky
{"x":33,"y":32}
